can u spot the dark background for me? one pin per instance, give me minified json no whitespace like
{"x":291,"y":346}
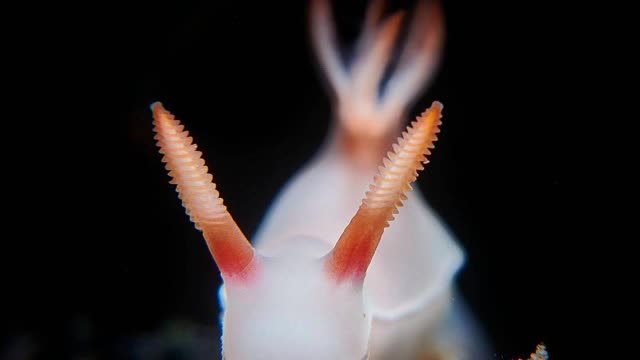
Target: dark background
{"x":110,"y":267}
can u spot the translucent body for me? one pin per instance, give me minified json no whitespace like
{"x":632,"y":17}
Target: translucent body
{"x":293,"y":310}
{"x":409,"y":285}
{"x":416,"y":259}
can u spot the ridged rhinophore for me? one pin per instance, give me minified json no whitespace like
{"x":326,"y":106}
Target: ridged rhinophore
{"x":403,"y":163}
{"x":228,"y":245}
{"x":187,"y":169}
{"x":354,"y":250}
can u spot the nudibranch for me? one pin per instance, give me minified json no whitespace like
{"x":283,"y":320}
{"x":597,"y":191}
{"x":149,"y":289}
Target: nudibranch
{"x":305,"y":295}
{"x":330,"y":274}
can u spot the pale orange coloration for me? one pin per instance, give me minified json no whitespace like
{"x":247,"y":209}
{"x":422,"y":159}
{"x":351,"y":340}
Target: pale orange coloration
{"x":370,"y":119}
{"x":420,"y":57}
{"x":374,"y":14}
{"x":361,"y":138}
{"x":370,"y":65}
{"x":324,"y":39}
{"x":355,"y":248}
{"x":230,"y":248}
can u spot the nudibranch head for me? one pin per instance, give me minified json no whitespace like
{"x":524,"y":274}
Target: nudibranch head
{"x":305,"y":301}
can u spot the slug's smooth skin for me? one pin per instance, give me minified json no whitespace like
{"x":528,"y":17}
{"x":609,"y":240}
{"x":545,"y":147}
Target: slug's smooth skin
{"x":330,"y":275}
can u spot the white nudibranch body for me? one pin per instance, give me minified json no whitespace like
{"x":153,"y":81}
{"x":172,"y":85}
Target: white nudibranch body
{"x":337,"y":270}
{"x":294,"y":310}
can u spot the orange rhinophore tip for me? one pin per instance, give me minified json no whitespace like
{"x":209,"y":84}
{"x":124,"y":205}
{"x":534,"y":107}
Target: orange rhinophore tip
{"x":230,"y":248}
{"x":355,"y":248}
